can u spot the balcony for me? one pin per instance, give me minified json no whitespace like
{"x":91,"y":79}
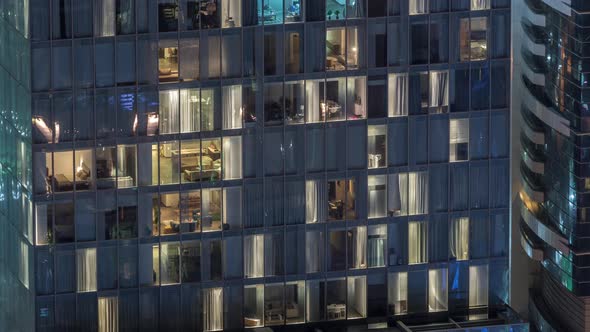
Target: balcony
{"x":533,"y":128}
{"x":534,"y":68}
{"x":535,"y":12}
{"x":543,"y":231}
{"x":532,"y":156}
{"x":532,"y":184}
{"x":531,"y":244}
{"x":539,"y":103}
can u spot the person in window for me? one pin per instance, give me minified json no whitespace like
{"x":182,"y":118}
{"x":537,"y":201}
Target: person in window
{"x":208,"y":13}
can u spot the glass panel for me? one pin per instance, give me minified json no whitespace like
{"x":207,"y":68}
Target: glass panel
{"x":357,"y":297}
{"x":458,"y":139}
{"x":418,"y":242}
{"x":377,"y":146}
{"x":254,"y":306}
{"x":397,"y":292}
{"x":168,"y":61}
{"x":231,"y":13}
{"x":335,"y":49}
{"x":437,"y":290}
{"x":459,"y":238}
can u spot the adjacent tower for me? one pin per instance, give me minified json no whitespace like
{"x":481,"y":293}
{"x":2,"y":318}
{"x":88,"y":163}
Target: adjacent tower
{"x":550,"y":86}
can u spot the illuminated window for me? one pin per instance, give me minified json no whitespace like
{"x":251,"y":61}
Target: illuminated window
{"x":458,"y":139}
{"x":397,"y":293}
{"x":86,"y":269}
{"x":437,"y":290}
{"x":168,"y":61}
{"x":459,"y":238}
{"x":417,"y":242}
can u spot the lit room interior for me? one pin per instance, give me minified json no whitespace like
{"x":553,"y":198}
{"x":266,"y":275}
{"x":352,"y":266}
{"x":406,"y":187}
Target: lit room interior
{"x":341,"y":199}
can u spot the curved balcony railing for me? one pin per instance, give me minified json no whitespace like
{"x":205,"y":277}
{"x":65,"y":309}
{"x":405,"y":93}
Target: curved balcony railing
{"x":531,"y":243}
{"x":536,"y":224}
{"x":535,"y":33}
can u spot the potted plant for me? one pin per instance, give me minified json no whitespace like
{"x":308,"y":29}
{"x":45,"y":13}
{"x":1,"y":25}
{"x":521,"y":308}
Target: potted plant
{"x":329,"y":13}
{"x":337,"y":13}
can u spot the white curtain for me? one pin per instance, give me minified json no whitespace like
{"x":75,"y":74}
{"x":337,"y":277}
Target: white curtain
{"x":189,"y":111}
{"x":460,"y":238}
{"x":417,"y":242}
{"x":418,"y":193}
{"x":480,"y":4}
{"x":315,"y":204}
{"x":360,"y":247}
{"x":232,"y":157}
{"x":108,"y":314}
{"x":169,"y":115}
{"x":233,"y":9}
{"x":312,"y":101}
{"x":232,"y":107}
{"x":398,"y":95}
{"x":105,"y":18}
{"x":439,"y":88}
{"x":213,"y":309}
{"x":254,"y":256}
{"x":357,"y":297}
{"x":398,"y":194}
{"x":86,"y":269}
{"x":478,"y":286}
{"x":418,"y":7}
{"x":437,"y":290}
{"x":397,"y":292}
{"x":377,"y":242}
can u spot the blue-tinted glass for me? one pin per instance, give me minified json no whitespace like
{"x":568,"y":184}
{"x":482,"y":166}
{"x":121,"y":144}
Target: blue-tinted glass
{"x":439,"y":138}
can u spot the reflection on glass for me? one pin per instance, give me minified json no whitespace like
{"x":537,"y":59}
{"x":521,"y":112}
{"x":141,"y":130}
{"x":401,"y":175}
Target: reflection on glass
{"x":335,"y":10}
{"x":437,"y":290}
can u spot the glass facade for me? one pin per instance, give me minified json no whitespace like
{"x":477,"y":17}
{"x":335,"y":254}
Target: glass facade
{"x":17,"y":283}
{"x":550,"y":91}
{"x":224,"y":164}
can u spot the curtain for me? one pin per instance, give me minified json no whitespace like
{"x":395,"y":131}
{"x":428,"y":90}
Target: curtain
{"x":213,"y":309}
{"x":108,"y":314}
{"x":86,"y":269}
{"x":312,"y":100}
{"x":360,"y":247}
{"x":232,"y":157}
{"x":250,"y":12}
{"x":398,"y":94}
{"x":398,"y":194}
{"x":189,"y":110}
{"x":480,"y":4}
{"x":418,"y":7}
{"x":169,"y":116}
{"x":273,"y":207}
{"x":417,"y":251}
{"x":478,"y":286}
{"x":418,"y":193}
{"x":460,"y":238}
{"x":232,"y":107}
{"x":356,"y":8}
{"x":105,"y":18}
{"x":315,"y":195}
{"x":254,"y":256}
{"x":357,"y":297}
{"x":460,"y":187}
{"x":377,"y":242}
{"x":397,"y":293}
{"x":439,"y":88}
{"x":437,"y":290}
